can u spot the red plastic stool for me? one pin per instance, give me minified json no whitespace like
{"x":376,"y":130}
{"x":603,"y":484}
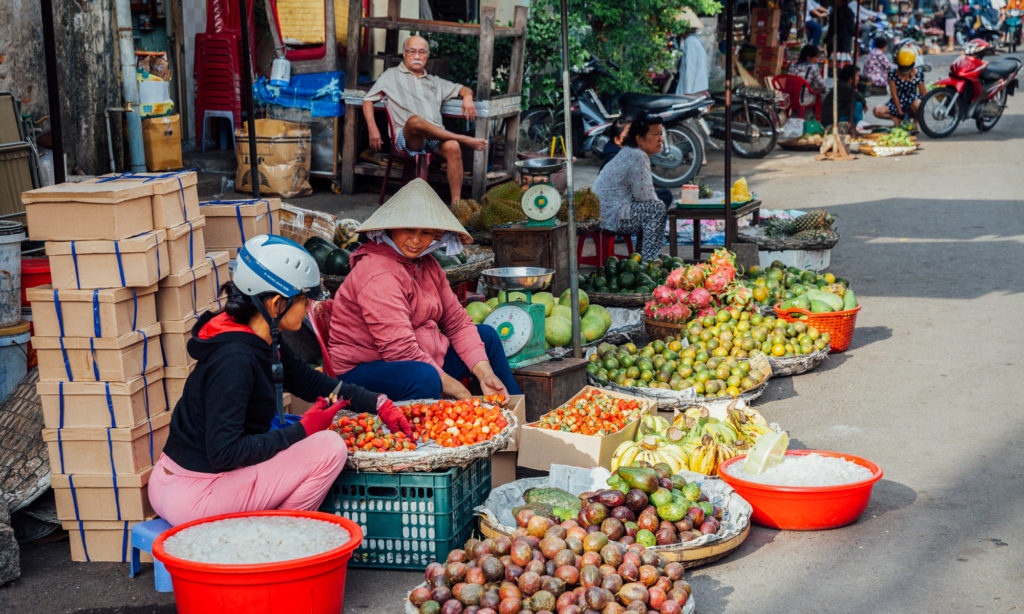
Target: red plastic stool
{"x":604,"y":246}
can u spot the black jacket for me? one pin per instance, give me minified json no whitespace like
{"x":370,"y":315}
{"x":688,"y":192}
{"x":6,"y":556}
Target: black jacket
{"x":222,"y":421}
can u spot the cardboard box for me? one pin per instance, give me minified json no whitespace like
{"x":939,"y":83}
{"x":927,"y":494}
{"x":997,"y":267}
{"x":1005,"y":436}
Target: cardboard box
{"x":161,"y":142}
{"x":107,"y":312}
{"x":102,"y":541}
{"x":99,"y":359}
{"x":764,"y":38}
{"x":102,"y":404}
{"x":770,"y":58}
{"x":174,"y":383}
{"x":186,"y":246}
{"x":503,"y":468}
{"x":184,"y":294}
{"x":219,"y":274}
{"x":766,"y":20}
{"x":88,"y":450}
{"x":174,"y":338}
{"x":230,"y":223}
{"x":539,"y":447}
{"x":88,"y":211}
{"x":94,"y":496}
{"x":138,"y":262}
{"x":517,"y":403}
{"x":174,"y":196}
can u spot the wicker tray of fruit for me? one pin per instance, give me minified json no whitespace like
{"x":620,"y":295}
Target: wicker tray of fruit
{"x":620,"y":299}
{"x":795,"y":365}
{"x":478,"y":258}
{"x":372,"y":447}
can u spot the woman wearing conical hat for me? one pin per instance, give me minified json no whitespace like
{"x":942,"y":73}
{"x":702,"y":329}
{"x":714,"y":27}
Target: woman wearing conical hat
{"x":396,"y":326}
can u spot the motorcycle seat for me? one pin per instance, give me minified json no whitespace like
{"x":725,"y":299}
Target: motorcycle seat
{"x":651,"y":102}
{"x":1000,"y":68}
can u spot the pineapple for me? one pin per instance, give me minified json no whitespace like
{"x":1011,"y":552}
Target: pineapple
{"x":812,"y":234}
{"x":778,"y":227}
{"x":740,"y":192}
{"x":818,"y":218}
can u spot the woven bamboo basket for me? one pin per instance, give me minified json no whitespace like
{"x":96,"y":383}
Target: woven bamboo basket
{"x":663,"y":330}
{"x":758,"y":236}
{"x":477,"y":259}
{"x":620,"y":299}
{"x":795,"y":365}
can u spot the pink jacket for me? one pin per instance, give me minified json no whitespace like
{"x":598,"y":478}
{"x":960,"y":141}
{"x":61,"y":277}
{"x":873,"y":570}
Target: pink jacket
{"x":393,"y":308}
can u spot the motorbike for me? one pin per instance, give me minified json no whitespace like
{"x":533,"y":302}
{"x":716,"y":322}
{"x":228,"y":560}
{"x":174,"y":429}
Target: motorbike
{"x":976,"y":88}
{"x":755,"y":122}
{"x":872,"y":30}
{"x":977,"y":23}
{"x":1012,"y":28}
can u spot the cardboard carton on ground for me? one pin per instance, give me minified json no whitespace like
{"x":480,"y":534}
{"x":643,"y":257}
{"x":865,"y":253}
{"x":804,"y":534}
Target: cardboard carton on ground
{"x":95,"y":496}
{"x":768,"y":19}
{"x":102,"y":404}
{"x":174,"y":383}
{"x":108,"y":312}
{"x":186,"y":246}
{"x":185,"y":294}
{"x":229,"y":224}
{"x":100,"y":359}
{"x":161,"y":142}
{"x":174,"y":338}
{"x":219,"y":274}
{"x":136,"y":262}
{"x":539,"y":448}
{"x":517,"y":403}
{"x":503,"y":468}
{"x":174,"y":196}
{"x":102,"y":541}
{"x":88,"y":211}
{"x":95,"y":450}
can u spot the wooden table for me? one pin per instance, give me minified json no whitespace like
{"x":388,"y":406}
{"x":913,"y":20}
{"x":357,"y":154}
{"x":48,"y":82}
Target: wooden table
{"x":708,"y":211}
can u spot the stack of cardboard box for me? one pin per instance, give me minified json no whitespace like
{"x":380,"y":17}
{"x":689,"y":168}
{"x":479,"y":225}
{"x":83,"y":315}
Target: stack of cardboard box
{"x":100,"y":362}
{"x":764,"y":34}
{"x":230,"y":223}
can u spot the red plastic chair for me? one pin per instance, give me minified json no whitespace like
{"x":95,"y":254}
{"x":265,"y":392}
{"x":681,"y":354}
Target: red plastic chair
{"x":420,"y":162}
{"x":794,"y":86}
{"x":319,"y":315}
{"x":604,"y":246}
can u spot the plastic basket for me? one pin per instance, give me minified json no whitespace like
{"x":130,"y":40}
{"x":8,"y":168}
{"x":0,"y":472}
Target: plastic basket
{"x":410,"y":519}
{"x":838,"y":324}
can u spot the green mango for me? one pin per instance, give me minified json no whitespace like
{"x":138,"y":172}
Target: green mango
{"x":820,"y":307}
{"x":671,"y":512}
{"x":661,"y":497}
{"x":644,"y":478}
{"x":692,"y":491}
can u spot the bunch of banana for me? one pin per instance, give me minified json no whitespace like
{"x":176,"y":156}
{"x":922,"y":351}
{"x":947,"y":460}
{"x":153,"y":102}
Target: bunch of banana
{"x":650,"y":449}
{"x":652,"y":424}
{"x":750,"y":424}
{"x":704,"y":458}
{"x":697,"y":424}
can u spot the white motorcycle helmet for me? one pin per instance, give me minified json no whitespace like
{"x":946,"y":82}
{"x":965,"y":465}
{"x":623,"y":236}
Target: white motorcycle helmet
{"x":272,"y":263}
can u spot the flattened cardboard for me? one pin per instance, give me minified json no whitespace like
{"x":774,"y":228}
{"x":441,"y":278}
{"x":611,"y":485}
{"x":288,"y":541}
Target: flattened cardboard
{"x":185,"y":294}
{"x":230,"y":223}
{"x":174,"y":383}
{"x":503,"y":468}
{"x":517,"y":403}
{"x":87,"y":404}
{"x":174,"y":339}
{"x":88,"y":211}
{"x":219,"y":274}
{"x":88,"y":450}
{"x":175,"y":199}
{"x":96,"y":498}
{"x":137,"y":262}
{"x":112,"y":312}
{"x":186,"y":246}
{"x":117,"y":359}
{"x":539,"y":448}
{"x":102,"y":541}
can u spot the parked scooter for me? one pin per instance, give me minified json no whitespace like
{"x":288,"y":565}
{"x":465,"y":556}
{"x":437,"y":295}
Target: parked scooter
{"x":977,"y":23}
{"x":976,"y":88}
{"x":1012,"y":29}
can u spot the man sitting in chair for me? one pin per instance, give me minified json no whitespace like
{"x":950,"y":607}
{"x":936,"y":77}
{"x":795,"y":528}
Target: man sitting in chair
{"x":414,"y":103}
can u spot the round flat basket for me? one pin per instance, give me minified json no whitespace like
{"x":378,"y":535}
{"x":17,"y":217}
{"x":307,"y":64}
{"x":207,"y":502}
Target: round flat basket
{"x":795,"y":365}
{"x":689,"y":608}
{"x":619,"y":299}
{"x":430,"y":456}
{"x":759,"y":236}
{"x":477,"y":259}
{"x":795,"y":145}
{"x":663,"y":330}
{"x":702,"y":555}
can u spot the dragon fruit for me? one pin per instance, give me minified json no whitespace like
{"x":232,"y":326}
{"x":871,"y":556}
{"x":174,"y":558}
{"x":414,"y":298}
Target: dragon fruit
{"x":740,"y":296}
{"x":726,"y":269}
{"x":664,"y":295}
{"x":716,"y":283}
{"x":678,"y":313}
{"x":721,"y":257}
{"x":707,"y":311}
{"x":675,"y":278}
{"x":694,"y":276}
{"x":681,"y":295}
{"x":699,"y":298}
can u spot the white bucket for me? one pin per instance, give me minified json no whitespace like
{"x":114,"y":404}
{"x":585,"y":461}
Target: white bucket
{"x":814,"y":260}
{"x":280,"y":72}
{"x":13,"y":356}
{"x":11,"y":236}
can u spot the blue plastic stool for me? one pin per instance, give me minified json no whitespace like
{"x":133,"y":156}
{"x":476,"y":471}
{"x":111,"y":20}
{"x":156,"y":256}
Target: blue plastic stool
{"x":143,"y":535}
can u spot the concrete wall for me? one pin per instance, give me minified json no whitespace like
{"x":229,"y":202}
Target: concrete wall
{"x":87,"y":66}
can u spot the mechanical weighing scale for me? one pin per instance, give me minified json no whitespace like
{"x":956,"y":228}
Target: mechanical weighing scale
{"x":541,"y":201}
{"x":520,"y":325}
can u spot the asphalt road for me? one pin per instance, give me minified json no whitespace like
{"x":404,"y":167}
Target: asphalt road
{"x":930,"y":390}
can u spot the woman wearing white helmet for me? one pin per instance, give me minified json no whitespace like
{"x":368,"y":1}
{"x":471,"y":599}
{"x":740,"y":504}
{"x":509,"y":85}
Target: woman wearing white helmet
{"x":221,"y":454}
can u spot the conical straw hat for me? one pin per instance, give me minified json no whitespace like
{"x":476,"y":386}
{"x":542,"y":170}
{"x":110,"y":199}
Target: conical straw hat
{"x":416,"y":205}
{"x":688,"y":17}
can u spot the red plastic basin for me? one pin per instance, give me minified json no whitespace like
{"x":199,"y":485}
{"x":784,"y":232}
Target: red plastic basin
{"x":34,"y":272}
{"x":805,"y":508}
{"x":311,"y":585}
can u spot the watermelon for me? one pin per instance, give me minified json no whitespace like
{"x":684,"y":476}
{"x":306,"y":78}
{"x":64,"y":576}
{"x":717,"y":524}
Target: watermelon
{"x":320,"y":249}
{"x":336,"y":263}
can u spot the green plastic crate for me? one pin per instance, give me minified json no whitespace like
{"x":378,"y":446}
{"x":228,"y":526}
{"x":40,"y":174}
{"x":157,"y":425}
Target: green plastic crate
{"x":410,"y":519}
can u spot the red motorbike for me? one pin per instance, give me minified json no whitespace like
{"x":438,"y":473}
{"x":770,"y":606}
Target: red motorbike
{"x":976,"y":88}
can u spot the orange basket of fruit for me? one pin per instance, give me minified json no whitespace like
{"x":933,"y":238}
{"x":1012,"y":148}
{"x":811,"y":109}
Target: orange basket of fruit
{"x":839,"y":325}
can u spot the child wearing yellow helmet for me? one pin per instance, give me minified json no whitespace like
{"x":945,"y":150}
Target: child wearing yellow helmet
{"x":906,"y":88}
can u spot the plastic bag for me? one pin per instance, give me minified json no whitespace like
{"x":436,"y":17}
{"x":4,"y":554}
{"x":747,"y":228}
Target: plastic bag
{"x":813,"y":126}
{"x":793,"y":129}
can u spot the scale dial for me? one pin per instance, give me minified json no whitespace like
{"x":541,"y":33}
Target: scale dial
{"x":541,"y":202}
{"x":514,"y":326}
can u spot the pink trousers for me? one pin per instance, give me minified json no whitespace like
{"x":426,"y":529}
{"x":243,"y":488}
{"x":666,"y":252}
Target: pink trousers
{"x":296,"y":478}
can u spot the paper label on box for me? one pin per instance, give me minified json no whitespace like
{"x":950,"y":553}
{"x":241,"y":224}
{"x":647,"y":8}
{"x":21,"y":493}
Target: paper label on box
{"x":760,"y":363}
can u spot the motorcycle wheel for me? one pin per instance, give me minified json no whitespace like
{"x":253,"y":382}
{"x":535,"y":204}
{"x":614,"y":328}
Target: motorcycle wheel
{"x":934,"y":121}
{"x":985,"y":124}
{"x":536,"y":126}
{"x":682,"y":160}
{"x":768,"y":134}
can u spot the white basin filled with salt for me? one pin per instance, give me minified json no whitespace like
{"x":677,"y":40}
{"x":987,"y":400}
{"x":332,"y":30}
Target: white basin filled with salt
{"x":255,"y":539}
{"x":805,"y":470}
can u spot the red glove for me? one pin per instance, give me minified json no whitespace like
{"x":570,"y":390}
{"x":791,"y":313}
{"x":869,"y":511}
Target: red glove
{"x":392,"y":417}
{"x":319,"y":416}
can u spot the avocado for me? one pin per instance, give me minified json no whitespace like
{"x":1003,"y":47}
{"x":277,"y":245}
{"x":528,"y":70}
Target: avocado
{"x":640,"y":477}
{"x":336,"y":263}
